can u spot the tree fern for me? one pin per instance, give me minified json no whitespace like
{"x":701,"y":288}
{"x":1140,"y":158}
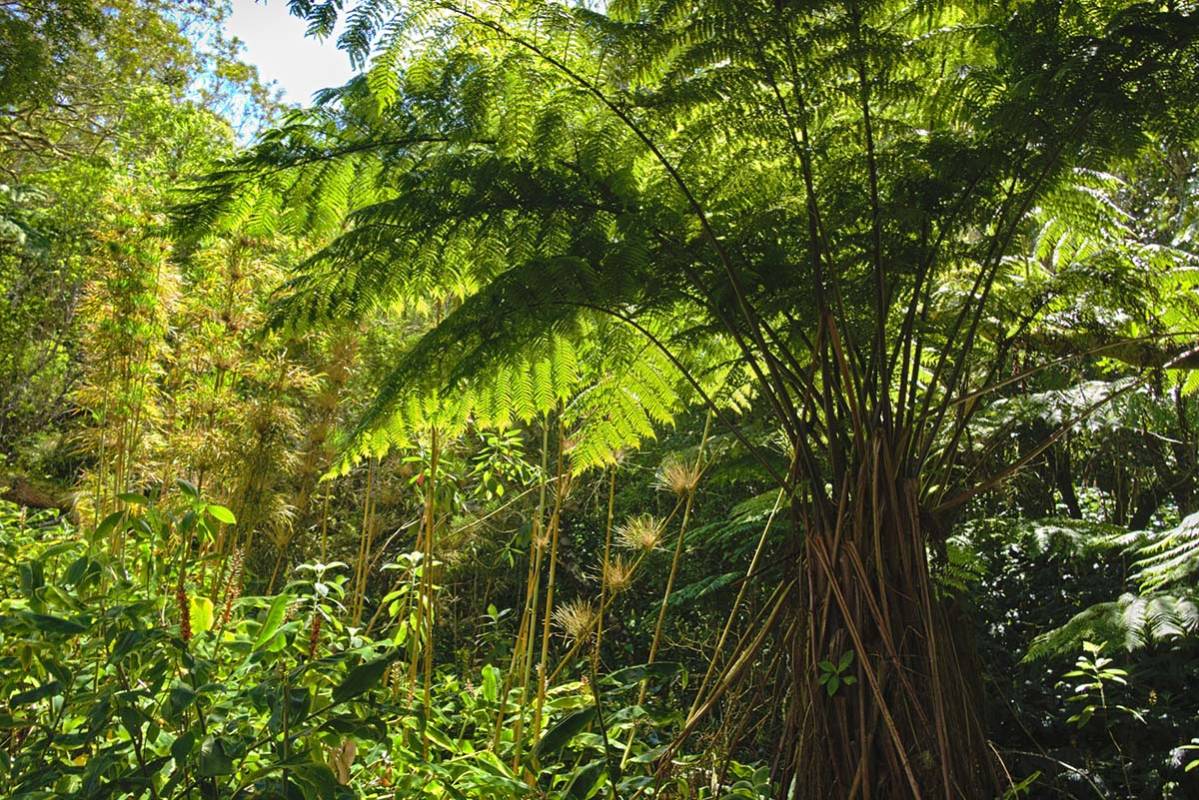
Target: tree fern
{"x":1170,"y":558}
{"x":1131,"y":622}
{"x":831,"y":190}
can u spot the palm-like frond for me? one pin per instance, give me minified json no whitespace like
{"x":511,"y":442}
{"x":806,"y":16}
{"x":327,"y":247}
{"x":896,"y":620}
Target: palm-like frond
{"x":652,"y":147}
{"x":1169,"y":558}
{"x":1131,"y":622}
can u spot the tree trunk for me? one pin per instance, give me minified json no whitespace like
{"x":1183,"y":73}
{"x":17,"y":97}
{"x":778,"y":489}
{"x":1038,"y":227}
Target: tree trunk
{"x":24,"y":492}
{"x":1064,"y":478}
{"x":906,"y":723}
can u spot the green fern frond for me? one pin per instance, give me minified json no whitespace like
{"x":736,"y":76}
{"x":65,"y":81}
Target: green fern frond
{"x":1131,"y":622}
{"x":1169,"y":558}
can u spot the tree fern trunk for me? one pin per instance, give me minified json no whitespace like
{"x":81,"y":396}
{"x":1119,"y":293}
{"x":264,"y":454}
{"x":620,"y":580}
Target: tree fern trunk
{"x":899,"y":718}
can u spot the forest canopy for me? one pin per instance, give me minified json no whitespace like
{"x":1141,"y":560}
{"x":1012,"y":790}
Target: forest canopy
{"x":642,"y":398}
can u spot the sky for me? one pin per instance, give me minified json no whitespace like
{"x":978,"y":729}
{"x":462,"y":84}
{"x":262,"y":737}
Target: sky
{"x":275,"y":43}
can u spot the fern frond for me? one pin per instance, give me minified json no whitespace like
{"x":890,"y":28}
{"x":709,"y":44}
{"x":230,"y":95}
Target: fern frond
{"x":1131,"y":622}
{"x":1169,"y":558}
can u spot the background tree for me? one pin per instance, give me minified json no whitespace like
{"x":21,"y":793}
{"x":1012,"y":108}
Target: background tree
{"x":126,"y":97}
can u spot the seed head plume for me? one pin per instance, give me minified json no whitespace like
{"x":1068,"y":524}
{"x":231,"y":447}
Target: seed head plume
{"x":618,"y":575}
{"x":641,"y":532}
{"x":679,"y":477}
{"x":575,"y":618}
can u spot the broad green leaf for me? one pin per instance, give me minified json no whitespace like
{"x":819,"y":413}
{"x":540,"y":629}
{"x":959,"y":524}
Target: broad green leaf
{"x":214,"y":760}
{"x":34,"y":694}
{"x":77,"y":570}
{"x":317,"y":781}
{"x":274,"y":619}
{"x":560,"y":734}
{"x":585,"y":780}
{"x":182,"y":747}
{"x":491,"y":684}
{"x":54,"y":550}
{"x":33,"y":577}
{"x":221,"y":514}
{"x":441,"y":739}
{"x":361,"y":678}
{"x":200,"y":609}
{"x":179,"y":699}
{"x":639,"y":672}
{"x":109,"y":524}
{"x":51,"y":624}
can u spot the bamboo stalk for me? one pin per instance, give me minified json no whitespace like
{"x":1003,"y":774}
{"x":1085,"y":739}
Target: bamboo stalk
{"x":728,"y":625}
{"x":553,"y":532}
{"x":533,"y":590}
{"x":360,"y":567}
{"x":427,"y":575}
{"x":599,"y":623}
{"x":674,"y":571}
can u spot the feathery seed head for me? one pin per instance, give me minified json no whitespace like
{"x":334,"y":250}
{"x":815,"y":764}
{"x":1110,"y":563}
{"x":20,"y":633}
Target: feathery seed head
{"x":575,"y":618}
{"x":678,"y":476}
{"x":618,"y":575}
{"x":640,"y":532}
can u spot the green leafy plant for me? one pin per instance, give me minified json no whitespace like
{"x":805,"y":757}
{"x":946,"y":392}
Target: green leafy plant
{"x":1096,"y":674}
{"x":834,"y":675}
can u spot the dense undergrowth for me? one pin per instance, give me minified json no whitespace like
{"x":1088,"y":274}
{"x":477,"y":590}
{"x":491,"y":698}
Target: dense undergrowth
{"x":139,"y":669}
{"x":135,"y":665}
